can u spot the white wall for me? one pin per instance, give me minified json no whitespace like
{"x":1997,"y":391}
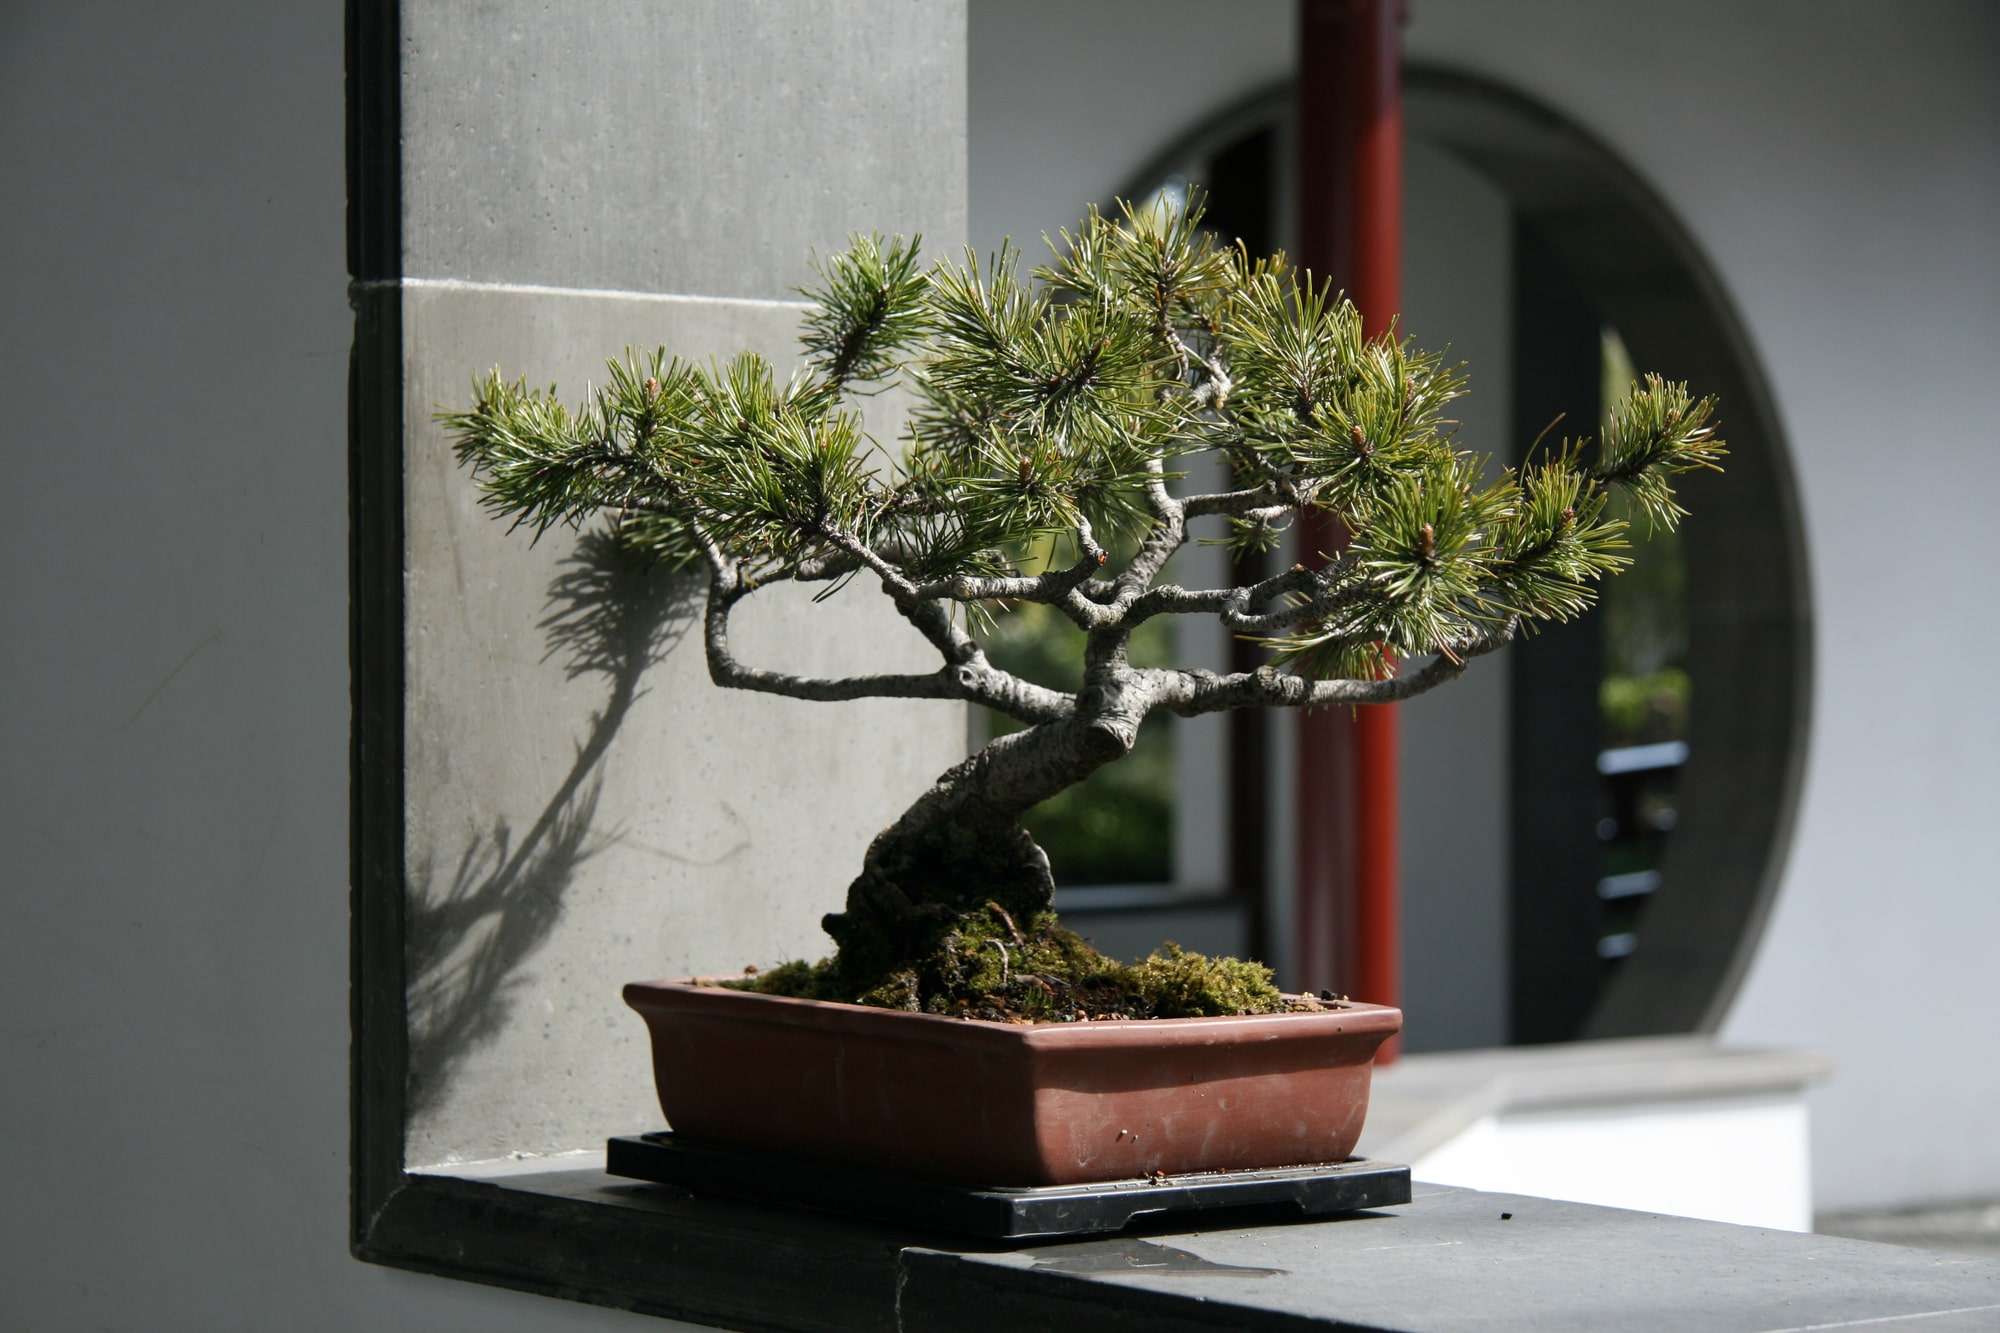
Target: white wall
{"x":173,"y":973}
{"x":1138,"y":73}
{"x":1728,"y":1159}
{"x":1836,"y":163}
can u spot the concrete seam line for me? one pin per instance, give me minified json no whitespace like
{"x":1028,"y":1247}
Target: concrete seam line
{"x":538,"y":289}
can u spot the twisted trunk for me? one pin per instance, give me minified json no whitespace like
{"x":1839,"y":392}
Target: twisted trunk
{"x":962,"y":845}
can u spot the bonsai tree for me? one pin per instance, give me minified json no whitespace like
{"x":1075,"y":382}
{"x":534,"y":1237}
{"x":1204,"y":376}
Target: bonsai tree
{"x":1054,"y":414}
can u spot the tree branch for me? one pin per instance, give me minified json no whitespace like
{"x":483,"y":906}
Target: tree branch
{"x":1172,"y":600}
{"x":1234,"y":605}
{"x":1191,"y":693}
{"x":894,"y":581}
{"x":1329,"y":589}
{"x":1167,"y":535}
{"x":929,"y":615}
{"x":1004,"y":692}
{"x":1052,"y":587}
{"x":972,"y":680}
{"x":1238,"y":503}
{"x":891,"y":546}
{"x":934,"y":621}
{"x":1214,"y":386}
{"x":821,"y":568}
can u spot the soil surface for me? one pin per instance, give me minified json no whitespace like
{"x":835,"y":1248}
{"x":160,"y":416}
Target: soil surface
{"x":989,"y":966}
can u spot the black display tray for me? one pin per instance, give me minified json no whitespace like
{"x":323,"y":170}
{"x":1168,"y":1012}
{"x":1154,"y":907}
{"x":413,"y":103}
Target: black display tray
{"x":1002,"y":1212}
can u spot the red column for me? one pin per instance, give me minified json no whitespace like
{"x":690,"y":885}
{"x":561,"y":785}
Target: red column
{"x":1350,"y":230}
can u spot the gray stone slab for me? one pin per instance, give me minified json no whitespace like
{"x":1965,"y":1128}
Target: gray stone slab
{"x":1462,"y":1261}
{"x":587,"y":811}
{"x":1452,"y":1261}
{"x":674,"y":147}
{"x":1966,"y":1228}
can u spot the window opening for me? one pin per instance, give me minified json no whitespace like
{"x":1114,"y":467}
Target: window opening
{"x":1644,"y":700}
{"x":1117,"y":826}
{"x":1640,"y":888}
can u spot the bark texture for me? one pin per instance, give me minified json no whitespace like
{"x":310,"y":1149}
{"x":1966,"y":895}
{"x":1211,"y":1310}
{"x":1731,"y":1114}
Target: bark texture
{"x":961,"y":846}
{"x":961,"y":850}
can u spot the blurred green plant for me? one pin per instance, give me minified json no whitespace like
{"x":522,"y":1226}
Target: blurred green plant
{"x":1646,"y":692}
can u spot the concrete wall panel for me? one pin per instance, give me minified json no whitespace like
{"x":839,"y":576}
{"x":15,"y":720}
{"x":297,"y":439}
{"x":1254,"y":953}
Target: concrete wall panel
{"x":574,"y":182}
{"x":174,"y":972}
{"x":695,"y":148}
{"x":585,"y":807}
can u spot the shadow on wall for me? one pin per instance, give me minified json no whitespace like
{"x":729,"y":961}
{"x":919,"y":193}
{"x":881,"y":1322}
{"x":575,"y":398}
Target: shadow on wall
{"x":610,"y":615}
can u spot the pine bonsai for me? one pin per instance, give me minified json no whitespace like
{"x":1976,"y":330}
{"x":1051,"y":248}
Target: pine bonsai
{"x":1061,"y":406}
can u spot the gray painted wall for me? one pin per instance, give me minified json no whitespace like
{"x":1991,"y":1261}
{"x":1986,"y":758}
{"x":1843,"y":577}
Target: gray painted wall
{"x":692,"y":147}
{"x":1853,"y":228}
{"x":175,"y":980}
{"x":174,"y":976}
{"x":595,"y":812}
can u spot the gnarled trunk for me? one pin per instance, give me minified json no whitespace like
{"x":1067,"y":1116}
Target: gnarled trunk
{"x":962,"y":845}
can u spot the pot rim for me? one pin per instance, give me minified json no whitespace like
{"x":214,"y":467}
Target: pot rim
{"x":704,"y":992}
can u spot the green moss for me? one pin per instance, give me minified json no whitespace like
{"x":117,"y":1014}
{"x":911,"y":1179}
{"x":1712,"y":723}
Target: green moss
{"x":798,"y":978}
{"x":986,"y":965}
{"x":1179,"y":984}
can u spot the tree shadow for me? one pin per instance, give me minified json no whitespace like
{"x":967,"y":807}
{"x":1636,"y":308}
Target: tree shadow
{"x":609,"y":615}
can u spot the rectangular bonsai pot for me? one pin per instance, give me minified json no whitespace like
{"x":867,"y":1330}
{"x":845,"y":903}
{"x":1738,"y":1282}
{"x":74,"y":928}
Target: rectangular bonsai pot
{"x":1010,"y":1104}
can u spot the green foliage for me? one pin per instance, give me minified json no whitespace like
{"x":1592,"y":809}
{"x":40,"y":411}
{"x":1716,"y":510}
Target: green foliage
{"x":1055,"y":403}
{"x":1037,"y":415}
{"x":1051,"y":416}
{"x":1660,"y":431}
{"x":1554,"y":543}
{"x":868,"y":310}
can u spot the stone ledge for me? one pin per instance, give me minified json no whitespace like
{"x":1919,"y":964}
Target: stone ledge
{"x":1423,"y":1101}
{"x":1459,"y":1259}
{"x":1453,"y":1259}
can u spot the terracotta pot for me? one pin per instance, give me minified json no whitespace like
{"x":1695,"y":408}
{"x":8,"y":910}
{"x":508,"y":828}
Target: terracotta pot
{"x":1004,"y":1103}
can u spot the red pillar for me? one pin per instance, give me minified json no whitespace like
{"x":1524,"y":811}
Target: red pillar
{"x":1350,"y":230}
